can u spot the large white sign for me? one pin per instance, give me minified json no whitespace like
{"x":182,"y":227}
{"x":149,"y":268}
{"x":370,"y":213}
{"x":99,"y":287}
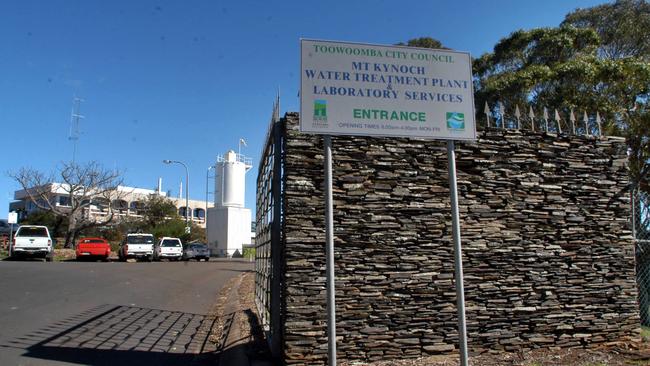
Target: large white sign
{"x":371,"y":90}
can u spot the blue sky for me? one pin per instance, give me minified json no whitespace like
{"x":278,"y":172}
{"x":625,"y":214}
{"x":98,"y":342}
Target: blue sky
{"x":185,"y":80}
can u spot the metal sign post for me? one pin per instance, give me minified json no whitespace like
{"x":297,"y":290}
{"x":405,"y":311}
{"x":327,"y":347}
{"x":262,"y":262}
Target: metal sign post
{"x":329,"y":253}
{"x":12,"y":219}
{"x":458,"y":255}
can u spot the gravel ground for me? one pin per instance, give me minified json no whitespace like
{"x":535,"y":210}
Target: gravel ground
{"x":621,"y":354}
{"x":562,"y":357}
{"x":235,"y":314}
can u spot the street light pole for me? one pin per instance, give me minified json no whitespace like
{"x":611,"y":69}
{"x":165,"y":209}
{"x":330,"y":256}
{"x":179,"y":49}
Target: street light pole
{"x":187,"y":192}
{"x":207,"y":184}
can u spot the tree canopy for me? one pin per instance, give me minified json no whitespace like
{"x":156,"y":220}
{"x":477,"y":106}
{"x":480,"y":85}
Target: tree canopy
{"x":595,"y":61}
{"x":622,"y":27}
{"x":560,"y":68}
{"x":160,"y":218}
{"x":423,"y":42}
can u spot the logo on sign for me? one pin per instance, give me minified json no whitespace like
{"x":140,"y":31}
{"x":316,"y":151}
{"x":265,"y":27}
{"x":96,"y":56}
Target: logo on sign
{"x":320,"y":110}
{"x":455,"y":121}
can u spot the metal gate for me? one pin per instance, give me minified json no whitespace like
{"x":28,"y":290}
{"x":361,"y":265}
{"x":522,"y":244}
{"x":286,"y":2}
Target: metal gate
{"x":268,"y":234}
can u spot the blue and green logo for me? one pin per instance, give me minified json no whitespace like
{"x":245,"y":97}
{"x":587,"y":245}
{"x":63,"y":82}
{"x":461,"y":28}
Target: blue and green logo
{"x":455,"y":121}
{"x":320,"y":110}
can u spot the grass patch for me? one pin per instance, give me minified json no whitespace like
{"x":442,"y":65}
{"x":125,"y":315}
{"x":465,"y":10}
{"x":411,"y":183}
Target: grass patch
{"x":64,"y":254}
{"x":645,"y":334}
{"x":637,"y":362}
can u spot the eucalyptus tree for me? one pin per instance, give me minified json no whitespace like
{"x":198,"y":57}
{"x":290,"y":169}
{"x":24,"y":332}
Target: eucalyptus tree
{"x":587,"y":64}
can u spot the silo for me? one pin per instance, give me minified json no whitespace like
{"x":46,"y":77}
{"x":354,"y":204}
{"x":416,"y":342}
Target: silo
{"x":230,"y":180}
{"x":228,"y":223}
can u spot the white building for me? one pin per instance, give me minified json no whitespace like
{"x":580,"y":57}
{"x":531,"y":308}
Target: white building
{"x":229,"y":222}
{"x":128,"y":201}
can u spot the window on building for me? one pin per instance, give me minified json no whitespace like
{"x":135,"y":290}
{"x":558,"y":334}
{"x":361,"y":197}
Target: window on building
{"x":181,"y":211}
{"x":199,"y":213}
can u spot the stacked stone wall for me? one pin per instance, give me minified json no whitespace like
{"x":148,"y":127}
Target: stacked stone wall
{"x":547,"y":251}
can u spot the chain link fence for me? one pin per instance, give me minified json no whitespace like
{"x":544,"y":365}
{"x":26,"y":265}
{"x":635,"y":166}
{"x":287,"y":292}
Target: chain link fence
{"x":641,"y":230}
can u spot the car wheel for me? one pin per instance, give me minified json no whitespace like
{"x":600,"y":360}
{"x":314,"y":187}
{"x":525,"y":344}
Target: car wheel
{"x":49,"y":257}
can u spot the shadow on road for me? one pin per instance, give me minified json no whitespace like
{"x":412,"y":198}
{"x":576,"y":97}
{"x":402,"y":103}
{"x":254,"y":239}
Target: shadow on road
{"x":125,"y":335}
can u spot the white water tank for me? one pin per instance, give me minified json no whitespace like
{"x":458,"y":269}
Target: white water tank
{"x":230,"y":180}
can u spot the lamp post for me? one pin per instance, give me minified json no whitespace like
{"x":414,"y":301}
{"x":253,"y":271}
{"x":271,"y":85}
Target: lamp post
{"x":187,"y":192}
{"x":207,"y":183}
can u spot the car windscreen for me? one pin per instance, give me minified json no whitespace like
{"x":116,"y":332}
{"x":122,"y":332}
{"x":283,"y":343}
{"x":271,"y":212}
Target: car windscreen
{"x":198,"y":246}
{"x":32,"y":231}
{"x":139,"y":239}
{"x":170,"y":243}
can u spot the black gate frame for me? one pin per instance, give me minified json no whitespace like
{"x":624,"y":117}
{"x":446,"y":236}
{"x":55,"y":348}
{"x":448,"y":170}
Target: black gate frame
{"x":269,"y":231}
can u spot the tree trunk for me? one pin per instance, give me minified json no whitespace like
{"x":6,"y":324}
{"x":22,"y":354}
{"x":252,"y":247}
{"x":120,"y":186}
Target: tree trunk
{"x":71,"y":233}
{"x":69,"y":240}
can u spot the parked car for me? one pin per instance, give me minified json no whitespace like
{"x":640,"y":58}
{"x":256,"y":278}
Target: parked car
{"x":196,"y":251}
{"x":139,"y":246}
{"x":96,"y":248}
{"x":32,"y":241}
{"x":168,"y":248}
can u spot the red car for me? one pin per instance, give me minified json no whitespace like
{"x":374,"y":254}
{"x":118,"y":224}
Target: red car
{"x":93,"y":248}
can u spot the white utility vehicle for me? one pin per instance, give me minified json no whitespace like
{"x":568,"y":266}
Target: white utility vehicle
{"x":168,"y":248}
{"x":32,"y":241}
{"x":139,"y":246}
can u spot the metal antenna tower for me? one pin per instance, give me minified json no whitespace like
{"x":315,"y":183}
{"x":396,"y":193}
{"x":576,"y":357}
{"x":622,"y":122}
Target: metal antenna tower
{"x":74,"y":125}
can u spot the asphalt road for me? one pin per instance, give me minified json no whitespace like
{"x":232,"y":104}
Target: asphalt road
{"x":69,"y":313}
